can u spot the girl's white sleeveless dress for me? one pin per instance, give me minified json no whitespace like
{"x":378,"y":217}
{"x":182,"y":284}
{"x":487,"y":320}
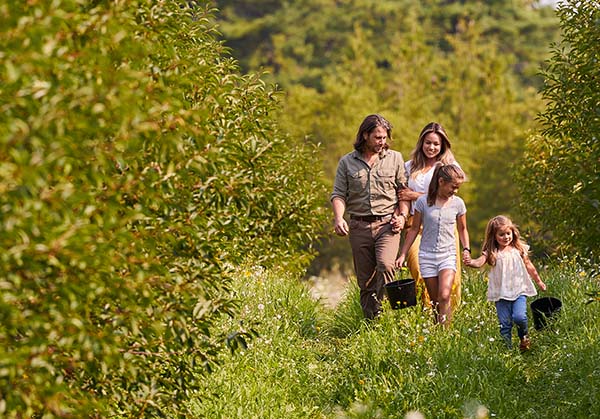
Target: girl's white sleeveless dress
{"x":509,"y":279}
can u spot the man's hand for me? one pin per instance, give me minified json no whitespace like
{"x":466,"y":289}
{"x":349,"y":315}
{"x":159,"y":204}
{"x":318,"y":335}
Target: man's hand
{"x":340,"y":227}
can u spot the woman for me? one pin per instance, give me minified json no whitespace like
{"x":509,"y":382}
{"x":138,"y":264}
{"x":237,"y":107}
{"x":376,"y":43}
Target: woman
{"x":433,"y":146}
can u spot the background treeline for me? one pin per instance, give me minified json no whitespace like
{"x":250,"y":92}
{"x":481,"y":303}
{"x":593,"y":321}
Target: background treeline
{"x":470,"y":65}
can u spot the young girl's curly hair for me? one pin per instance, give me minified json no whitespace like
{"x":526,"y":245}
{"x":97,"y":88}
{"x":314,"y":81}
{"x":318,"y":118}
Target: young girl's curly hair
{"x":490,"y":245}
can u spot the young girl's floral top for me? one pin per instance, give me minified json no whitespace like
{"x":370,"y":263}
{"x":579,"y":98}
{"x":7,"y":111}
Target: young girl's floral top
{"x":509,"y":279}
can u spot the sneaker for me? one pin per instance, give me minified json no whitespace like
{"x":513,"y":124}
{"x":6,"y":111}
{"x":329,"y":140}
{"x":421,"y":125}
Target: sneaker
{"x":525,"y":344}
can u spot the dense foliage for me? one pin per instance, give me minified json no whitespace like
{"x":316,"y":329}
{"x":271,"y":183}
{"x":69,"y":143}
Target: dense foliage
{"x":136,"y":167}
{"x":469,"y":65}
{"x":560,"y":175}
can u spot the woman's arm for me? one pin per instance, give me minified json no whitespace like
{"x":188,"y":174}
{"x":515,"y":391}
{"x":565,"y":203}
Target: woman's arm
{"x":407,"y":194}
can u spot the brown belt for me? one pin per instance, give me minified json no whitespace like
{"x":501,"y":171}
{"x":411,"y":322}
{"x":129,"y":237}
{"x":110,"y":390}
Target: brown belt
{"x":368,"y":218}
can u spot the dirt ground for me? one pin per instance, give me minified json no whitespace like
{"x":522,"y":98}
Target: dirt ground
{"x":329,"y":287}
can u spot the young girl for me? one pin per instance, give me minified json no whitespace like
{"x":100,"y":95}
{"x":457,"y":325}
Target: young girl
{"x":509,"y":282}
{"x":440,"y":212}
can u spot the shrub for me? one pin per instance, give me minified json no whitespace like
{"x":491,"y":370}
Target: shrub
{"x":136,"y":167}
{"x":558,"y":177}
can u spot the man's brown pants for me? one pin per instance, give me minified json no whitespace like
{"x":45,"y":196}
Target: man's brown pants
{"x":374,"y":250}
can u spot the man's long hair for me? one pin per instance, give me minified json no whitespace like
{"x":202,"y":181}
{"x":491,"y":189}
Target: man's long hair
{"x":368,"y":125}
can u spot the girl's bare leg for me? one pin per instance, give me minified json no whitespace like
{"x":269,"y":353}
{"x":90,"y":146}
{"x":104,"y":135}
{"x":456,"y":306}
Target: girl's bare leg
{"x":444,"y":290}
{"x":432,"y":290}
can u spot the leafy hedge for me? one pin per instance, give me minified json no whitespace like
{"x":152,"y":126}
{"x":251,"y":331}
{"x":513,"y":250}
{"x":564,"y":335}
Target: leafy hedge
{"x":560,"y":175}
{"x":136,"y":167}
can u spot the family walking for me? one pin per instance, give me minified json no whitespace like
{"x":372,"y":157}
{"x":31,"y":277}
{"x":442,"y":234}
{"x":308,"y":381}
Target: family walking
{"x":383,"y":195}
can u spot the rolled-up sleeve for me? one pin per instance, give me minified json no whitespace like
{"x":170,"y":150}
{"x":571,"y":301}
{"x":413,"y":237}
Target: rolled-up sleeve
{"x":340,"y":184}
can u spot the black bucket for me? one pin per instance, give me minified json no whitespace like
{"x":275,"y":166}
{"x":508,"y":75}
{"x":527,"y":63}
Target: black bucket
{"x":401,"y":293}
{"x":543,"y":309}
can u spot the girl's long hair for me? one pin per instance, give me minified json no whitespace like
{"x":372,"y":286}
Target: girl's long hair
{"x":417,"y":156}
{"x":447,"y":172}
{"x":490,"y":245}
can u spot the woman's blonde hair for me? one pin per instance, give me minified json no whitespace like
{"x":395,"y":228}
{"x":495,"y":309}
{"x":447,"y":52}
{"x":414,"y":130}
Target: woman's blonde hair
{"x":447,"y":172}
{"x":490,"y":245}
{"x":417,"y":156}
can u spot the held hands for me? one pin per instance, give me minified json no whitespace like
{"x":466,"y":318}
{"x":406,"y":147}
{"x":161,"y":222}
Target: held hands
{"x":466,"y":259}
{"x":397,"y":223}
{"x":473,"y":263}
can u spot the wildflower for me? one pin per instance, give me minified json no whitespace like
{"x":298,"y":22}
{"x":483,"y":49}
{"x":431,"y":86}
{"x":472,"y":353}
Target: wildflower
{"x":261,"y":306}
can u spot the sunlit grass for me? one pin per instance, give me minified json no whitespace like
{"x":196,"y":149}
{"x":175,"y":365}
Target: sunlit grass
{"x":314,"y":362}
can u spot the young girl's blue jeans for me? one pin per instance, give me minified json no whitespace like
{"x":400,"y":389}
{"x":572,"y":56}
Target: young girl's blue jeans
{"x":512,"y":312}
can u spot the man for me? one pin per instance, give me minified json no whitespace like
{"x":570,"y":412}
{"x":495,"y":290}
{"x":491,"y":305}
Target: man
{"x":366,"y":187}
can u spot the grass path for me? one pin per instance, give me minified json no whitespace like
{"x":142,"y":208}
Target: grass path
{"x":311,"y":361}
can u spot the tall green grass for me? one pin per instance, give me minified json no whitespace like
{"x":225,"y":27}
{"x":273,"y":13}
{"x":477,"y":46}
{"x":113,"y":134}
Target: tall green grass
{"x":312,"y":362}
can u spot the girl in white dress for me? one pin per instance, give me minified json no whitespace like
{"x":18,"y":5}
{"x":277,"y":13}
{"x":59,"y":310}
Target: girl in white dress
{"x":510,"y":275}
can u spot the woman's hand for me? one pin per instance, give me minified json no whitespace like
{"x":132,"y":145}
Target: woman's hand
{"x":407,"y":194}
